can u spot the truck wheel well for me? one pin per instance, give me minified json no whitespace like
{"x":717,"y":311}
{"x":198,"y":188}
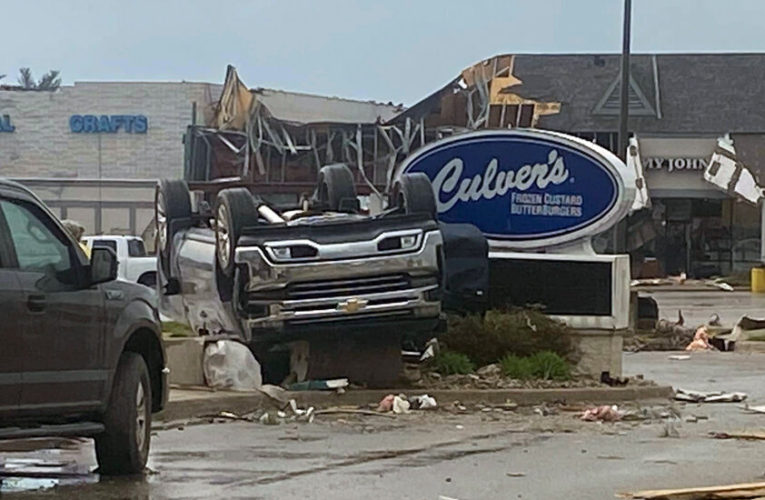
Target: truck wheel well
{"x":144,"y":342}
{"x":149,"y":278}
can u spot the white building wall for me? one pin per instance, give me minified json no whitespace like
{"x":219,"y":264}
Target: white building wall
{"x":42,"y":144}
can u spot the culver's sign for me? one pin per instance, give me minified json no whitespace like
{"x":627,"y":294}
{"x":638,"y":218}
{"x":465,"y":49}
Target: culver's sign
{"x":526,"y":188}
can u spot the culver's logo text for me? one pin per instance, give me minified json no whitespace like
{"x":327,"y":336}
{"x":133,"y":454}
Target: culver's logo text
{"x":451,"y":187}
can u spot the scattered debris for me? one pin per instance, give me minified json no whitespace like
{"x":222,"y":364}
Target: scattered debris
{"x":741,"y":491}
{"x":709,"y":397}
{"x":320,"y":385}
{"x":281,"y":416}
{"x":670,"y":429}
{"x":754,"y":409}
{"x":722,"y":285}
{"x":515,"y":474}
{"x":423,"y":402}
{"x":700,"y":341}
{"x":228,"y":364}
{"x":400,"y":405}
{"x":606,"y":378}
{"x":747,"y":435}
{"x":544,"y":410}
{"x":680,"y":357}
{"x":492,"y":370}
{"x":610,"y":457}
{"x":278,"y":396}
{"x":603,"y":413}
{"x":335,"y":411}
{"x":459,"y":427}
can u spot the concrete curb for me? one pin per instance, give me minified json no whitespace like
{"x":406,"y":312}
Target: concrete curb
{"x":189,"y":404}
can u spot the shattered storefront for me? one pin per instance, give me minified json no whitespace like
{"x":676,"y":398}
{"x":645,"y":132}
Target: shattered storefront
{"x":690,"y":226}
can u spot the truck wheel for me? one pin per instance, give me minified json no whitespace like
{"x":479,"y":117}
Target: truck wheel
{"x":335,"y":184}
{"x":414,"y":194}
{"x":237,"y":208}
{"x":172,"y":201}
{"x":123,"y":447}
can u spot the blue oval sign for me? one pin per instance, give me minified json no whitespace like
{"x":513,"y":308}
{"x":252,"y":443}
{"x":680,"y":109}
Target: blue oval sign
{"x":527,"y":188}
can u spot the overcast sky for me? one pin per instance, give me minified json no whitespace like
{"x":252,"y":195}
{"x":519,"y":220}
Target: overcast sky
{"x":386,"y":50}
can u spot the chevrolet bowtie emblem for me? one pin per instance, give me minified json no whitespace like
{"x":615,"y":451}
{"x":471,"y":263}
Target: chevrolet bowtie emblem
{"x":351,"y":306}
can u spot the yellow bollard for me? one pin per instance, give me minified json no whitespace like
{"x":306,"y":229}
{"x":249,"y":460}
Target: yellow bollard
{"x":758,"y":280}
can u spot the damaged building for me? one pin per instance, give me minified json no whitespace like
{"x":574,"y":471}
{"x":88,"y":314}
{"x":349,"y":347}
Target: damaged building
{"x":276,"y":141}
{"x":680,"y":104}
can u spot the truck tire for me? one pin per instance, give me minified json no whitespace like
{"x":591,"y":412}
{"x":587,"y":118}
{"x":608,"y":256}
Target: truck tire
{"x":414,"y":194}
{"x":123,"y":447}
{"x":335,"y":184}
{"x":236,"y":209}
{"x":172,"y":201}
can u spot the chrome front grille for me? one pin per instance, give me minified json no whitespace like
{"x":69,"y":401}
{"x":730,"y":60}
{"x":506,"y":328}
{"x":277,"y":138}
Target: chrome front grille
{"x":347,"y":287}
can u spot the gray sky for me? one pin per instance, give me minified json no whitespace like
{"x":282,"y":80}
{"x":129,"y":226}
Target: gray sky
{"x":372,"y":49}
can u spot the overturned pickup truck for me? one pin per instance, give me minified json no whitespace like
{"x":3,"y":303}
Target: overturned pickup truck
{"x":267,"y":276}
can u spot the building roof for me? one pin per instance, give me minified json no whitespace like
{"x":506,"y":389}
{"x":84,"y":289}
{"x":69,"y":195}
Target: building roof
{"x":302,"y":108}
{"x":670,"y":93}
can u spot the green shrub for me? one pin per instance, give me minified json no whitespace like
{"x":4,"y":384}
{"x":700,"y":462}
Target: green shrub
{"x":544,"y":365}
{"x":522,"y":332}
{"x":517,"y":367}
{"x":550,"y":366}
{"x":452,"y":363}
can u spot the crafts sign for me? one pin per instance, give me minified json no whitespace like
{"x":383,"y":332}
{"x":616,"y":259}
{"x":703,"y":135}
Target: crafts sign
{"x":526,"y":188}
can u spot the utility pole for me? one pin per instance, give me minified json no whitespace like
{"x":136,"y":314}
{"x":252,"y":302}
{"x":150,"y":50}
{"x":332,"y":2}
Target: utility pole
{"x":624,"y":112}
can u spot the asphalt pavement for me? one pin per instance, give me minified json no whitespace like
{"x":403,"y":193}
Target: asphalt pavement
{"x":428,"y":455}
{"x":433,"y":455}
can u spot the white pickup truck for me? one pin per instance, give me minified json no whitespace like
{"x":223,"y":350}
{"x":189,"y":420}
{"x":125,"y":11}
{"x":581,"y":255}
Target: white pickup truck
{"x":134,"y":264}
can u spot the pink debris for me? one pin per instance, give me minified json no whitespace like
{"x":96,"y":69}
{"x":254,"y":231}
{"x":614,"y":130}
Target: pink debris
{"x":386,"y":404}
{"x":603,"y":413}
{"x":700,"y":341}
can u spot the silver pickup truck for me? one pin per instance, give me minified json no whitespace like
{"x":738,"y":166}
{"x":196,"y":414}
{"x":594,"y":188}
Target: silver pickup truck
{"x":268,"y":276}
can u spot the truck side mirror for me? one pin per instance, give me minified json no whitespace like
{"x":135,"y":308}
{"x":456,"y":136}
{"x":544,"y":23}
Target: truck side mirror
{"x":103,"y":265}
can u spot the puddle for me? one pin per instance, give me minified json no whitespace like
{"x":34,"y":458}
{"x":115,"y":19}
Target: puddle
{"x":33,"y":474}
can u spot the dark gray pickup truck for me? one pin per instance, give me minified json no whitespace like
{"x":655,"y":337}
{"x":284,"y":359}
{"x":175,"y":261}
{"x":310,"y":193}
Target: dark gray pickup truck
{"x":81,"y":352}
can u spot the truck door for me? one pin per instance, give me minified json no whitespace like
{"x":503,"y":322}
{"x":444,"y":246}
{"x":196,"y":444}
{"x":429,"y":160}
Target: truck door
{"x":62,"y":321}
{"x":10,"y":333}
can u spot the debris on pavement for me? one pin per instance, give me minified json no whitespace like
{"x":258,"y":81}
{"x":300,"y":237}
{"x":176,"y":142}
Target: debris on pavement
{"x":680,"y":357}
{"x":295,"y":414}
{"x":515,"y":474}
{"x":754,"y":409}
{"x":700,"y":341}
{"x":386,"y":404}
{"x":709,"y":397}
{"x":721,"y":285}
{"x":320,"y":385}
{"x":732,"y":491}
{"x":277,"y":396}
{"x":353,"y":411}
{"x":603,"y":413}
{"x":423,"y":402}
{"x":746,"y":435}
{"x":669,"y":430}
{"x":400,"y":404}
{"x":228,"y":364}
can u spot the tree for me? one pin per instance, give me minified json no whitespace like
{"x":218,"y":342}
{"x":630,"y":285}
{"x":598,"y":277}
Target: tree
{"x":49,"y":81}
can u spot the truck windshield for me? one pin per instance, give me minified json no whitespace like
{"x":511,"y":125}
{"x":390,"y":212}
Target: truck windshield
{"x":136,"y":248}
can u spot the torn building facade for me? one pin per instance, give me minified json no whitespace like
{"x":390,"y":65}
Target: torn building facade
{"x":679,"y":105}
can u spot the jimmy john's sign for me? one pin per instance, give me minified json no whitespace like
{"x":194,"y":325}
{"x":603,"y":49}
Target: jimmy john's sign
{"x":675,"y":164}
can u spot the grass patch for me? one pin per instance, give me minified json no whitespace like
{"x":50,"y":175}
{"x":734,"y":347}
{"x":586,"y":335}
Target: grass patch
{"x":522,"y":332}
{"x":452,"y":363}
{"x":545,"y":365}
{"x":175,"y":329}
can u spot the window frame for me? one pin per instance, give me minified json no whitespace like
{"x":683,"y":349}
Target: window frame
{"x":47,"y":219}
